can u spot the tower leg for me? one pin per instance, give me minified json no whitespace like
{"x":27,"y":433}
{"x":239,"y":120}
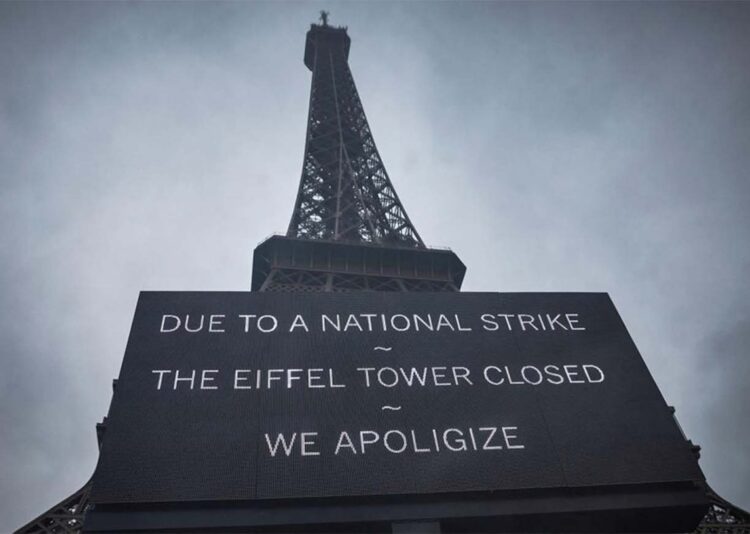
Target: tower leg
{"x":64,"y":518}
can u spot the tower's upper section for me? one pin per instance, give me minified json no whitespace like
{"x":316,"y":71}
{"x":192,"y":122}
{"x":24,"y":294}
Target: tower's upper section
{"x":345,"y":193}
{"x":325,"y":36}
{"x":349,"y":230}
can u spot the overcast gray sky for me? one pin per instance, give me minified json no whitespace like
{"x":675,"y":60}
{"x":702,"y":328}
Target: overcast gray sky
{"x":555,"y":147}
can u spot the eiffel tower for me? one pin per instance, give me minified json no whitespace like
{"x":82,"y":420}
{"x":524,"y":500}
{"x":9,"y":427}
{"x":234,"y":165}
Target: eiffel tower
{"x":349,"y":232}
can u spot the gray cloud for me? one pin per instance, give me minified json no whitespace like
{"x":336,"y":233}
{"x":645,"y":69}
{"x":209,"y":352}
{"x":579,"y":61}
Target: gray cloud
{"x":555,"y":146}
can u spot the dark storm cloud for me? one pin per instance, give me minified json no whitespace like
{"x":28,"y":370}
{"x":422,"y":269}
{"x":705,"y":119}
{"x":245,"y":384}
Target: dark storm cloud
{"x":554,"y":146}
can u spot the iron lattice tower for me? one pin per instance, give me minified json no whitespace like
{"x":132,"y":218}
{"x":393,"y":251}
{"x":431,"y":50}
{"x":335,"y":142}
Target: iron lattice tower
{"x":348,"y":232}
{"x":344,"y":193}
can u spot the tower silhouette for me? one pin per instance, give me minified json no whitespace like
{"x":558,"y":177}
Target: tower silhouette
{"x":348,"y":232}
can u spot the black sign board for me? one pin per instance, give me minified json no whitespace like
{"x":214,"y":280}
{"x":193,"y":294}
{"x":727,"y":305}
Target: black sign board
{"x":245,"y":396}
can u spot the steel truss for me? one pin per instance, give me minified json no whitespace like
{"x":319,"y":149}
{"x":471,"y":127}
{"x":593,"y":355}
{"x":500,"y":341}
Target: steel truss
{"x":287,"y":280}
{"x":64,"y":518}
{"x":723,"y":518}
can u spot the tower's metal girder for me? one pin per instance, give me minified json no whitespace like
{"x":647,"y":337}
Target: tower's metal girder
{"x":723,"y":518}
{"x":66,"y":517}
